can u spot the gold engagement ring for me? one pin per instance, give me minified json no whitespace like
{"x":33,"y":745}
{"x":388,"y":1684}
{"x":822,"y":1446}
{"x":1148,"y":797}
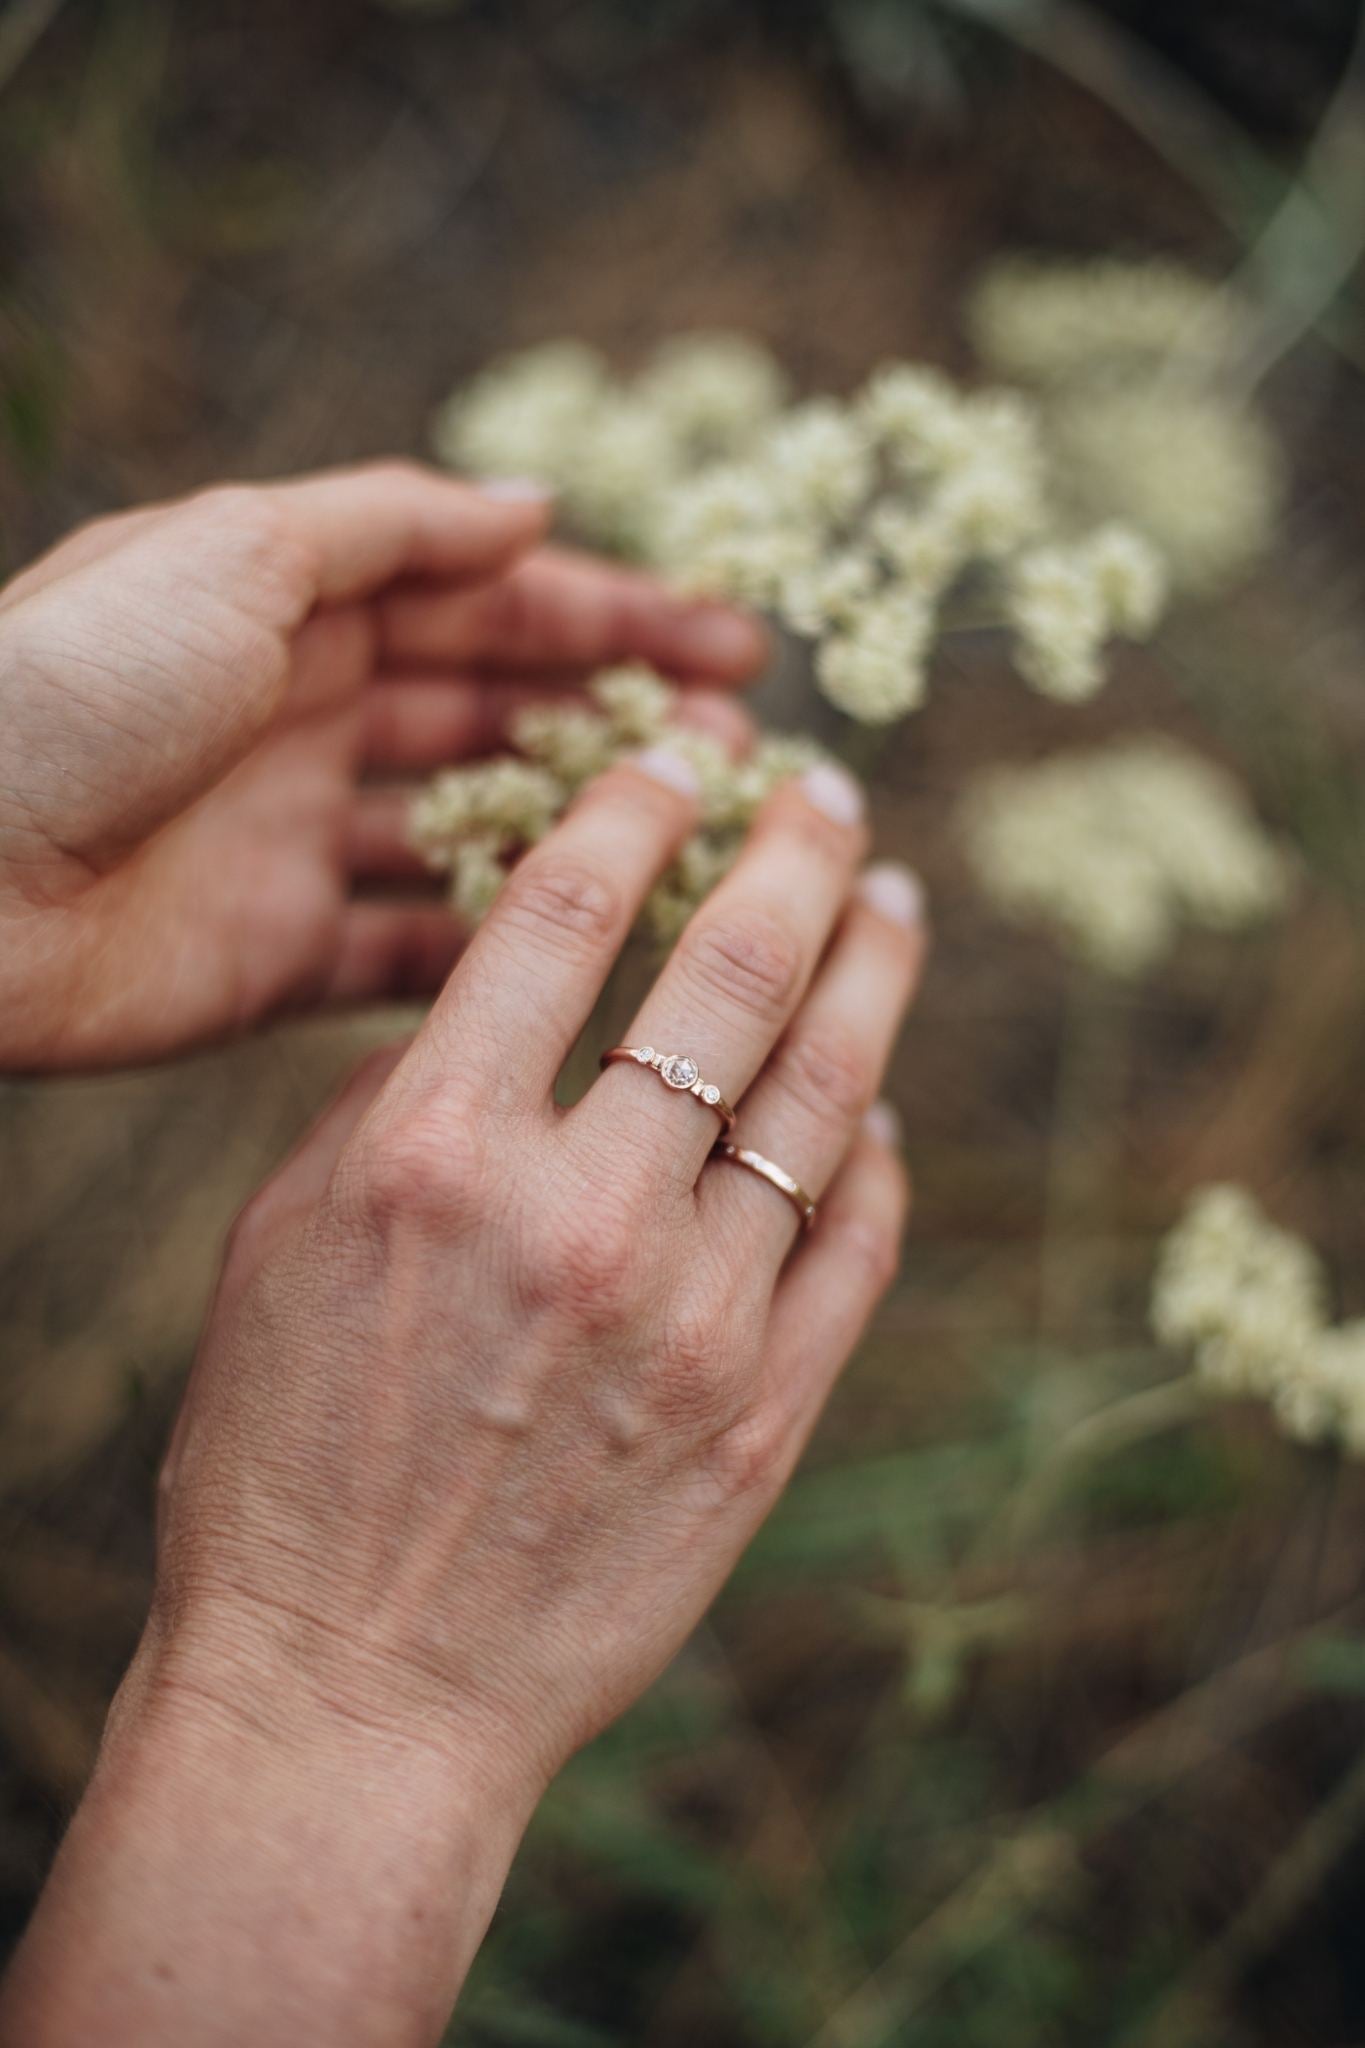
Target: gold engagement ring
{"x":677,"y":1070}
{"x":776,"y":1177}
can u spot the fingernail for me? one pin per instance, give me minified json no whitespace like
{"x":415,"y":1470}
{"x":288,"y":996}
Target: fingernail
{"x":834,"y":791}
{"x":894,"y":892}
{"x":883,"y":1123}
{"x":714,"y":637}
{"x":516,"y":489}
{"x":674,"y":770}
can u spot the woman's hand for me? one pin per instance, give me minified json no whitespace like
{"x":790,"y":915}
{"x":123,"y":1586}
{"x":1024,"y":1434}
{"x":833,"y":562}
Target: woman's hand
{"x":492,"y":1396}
{"x":188,"y":695}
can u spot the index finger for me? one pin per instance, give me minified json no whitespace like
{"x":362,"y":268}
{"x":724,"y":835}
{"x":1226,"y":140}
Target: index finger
{"x":565,"y":610}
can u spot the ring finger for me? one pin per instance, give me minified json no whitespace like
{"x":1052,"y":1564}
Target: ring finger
{"x":806,"y":1105}
{"x":738,"y":972}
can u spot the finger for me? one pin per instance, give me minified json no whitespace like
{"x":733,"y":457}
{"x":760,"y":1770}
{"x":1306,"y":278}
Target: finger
{"x":807,"y":1103}
{"x":571,"y":611}
{"x":367,"y":526}
{"x":738,"y":972}
{"x":419,"y":722}
{"x":389,"y":951}
{"x":835,"y":1279}
{"x":378,"y":843}
{"x":536,"y":967}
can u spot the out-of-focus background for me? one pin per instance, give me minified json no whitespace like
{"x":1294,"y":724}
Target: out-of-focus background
{"x":984,"y":1743}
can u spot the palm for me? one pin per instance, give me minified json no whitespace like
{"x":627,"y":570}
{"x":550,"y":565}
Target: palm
{"x":243,"y":900}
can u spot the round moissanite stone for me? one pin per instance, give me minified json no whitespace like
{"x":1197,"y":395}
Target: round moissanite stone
{"x":679,"y":1071}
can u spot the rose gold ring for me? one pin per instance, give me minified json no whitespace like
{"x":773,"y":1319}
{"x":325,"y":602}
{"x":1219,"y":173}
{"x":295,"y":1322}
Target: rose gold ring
{"x":766,"y":1169}
{"x":679,"y":1071}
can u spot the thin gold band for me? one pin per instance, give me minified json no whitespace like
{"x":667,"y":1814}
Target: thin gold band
{"x":776,"y":1177}
{"x":678,"y":1070}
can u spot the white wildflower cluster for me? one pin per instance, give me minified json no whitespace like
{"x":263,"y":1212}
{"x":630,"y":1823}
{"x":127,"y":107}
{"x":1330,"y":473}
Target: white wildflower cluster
{"x":1064,"y":603}
{"x":1131,"y":365}
{"x":1120,"y":847}
{"x":472,"y":822}
{"x":1042,"y":322}
{"x":609,"y":447}
{"x":858,"y":523}
{"x":1249,"y":1300}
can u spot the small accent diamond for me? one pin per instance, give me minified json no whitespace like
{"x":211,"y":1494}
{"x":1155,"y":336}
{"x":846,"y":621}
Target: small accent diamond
{"x":710,"y":1094}
{"x":645,"y":1055}
{"x":679,"y":1071}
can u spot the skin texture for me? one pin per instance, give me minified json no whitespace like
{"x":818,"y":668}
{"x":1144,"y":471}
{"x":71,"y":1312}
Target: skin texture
{"x":491,"y":1397}
{"x":189,"y":697}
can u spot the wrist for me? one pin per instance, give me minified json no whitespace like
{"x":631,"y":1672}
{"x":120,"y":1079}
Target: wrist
{"x":266,"y":1868}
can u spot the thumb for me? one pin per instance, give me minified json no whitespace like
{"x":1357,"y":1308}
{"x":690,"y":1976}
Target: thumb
{"x":135,"y":681}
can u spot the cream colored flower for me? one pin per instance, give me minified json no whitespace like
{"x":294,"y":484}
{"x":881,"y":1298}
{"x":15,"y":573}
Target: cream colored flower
{"x":627,"y":455}
{"x":857,"y":524}
{"x":716,"y":391}
{"x":1131,"y":577}
{"x":472,"y":822}
{"x":917,"y":416}
{"x":1117,"y":849}
{"x":526,"y":415}
{"x":874,"y":669}
{"x":636,"y":700}
{"x":1047,"y":323}
{"x":1201,"y":477}
{"x":829,"y":592}
{"x":507,"y":799}
{"x":1055,"y":603}
{"x":818,"y":463}
{"x":1249,"y":1301}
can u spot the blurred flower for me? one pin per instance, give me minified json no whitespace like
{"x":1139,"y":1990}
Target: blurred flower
{"x":1249,"y":1301}
{"x":472,"y":822}
{"x":1065,"y":602}
{"x":1200,"y":475}
{"x":525,"y":415}
{"x":1046,"y":323}
{"x":1120,"y":847}
{"x":1133,"y":363}
{"x":857,"y":523}
{"x":874,"y":669}
{"x":714,"y":390}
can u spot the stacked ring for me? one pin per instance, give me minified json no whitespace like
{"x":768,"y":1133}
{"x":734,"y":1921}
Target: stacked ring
{"x":776,"y":1176}
{"x":679,"y":1071}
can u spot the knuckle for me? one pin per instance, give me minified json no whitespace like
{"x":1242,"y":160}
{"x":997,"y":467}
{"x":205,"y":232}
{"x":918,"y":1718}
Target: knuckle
{"x":872,"y":1249}
{"x":827,"y":1071}
{"x":750,"y":1457}
{"x":748,"y":957}
{"x":250,"y":1230}
{"x":559,"y":900}
{"x":414,"y":1173}
{"x":689,"y":1377}
{"x":241,"y":511}
{"x":585,"y":1268}
{"x":252,"y":528}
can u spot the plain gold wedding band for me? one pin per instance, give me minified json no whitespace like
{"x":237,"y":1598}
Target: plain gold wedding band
{"x":767,"y":1169}
{"x":677,"y":1070}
